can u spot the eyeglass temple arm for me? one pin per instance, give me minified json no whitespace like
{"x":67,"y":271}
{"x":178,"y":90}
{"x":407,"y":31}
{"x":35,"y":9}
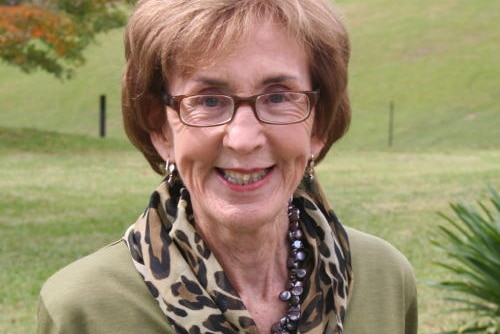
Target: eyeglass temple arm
{"x":170,"y":100}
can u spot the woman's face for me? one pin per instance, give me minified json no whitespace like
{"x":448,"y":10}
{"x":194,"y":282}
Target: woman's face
{"x":240,"y":175}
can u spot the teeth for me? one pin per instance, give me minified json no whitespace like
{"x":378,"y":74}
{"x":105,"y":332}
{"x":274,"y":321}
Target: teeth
{"x":244,"y":179}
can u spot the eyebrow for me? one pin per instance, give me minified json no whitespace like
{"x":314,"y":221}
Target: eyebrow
{"x":225,"y":84}
{"x":278,"y":79}
{"x":212,"y":82}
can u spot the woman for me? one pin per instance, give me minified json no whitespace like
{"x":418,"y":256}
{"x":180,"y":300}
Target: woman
{"x":236,"y":101}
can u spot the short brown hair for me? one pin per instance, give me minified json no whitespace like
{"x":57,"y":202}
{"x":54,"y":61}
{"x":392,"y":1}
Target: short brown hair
{"x":167,"y":35}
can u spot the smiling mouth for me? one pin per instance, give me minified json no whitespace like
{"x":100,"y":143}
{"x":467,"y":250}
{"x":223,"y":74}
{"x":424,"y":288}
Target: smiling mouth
{"x":243,"y":179}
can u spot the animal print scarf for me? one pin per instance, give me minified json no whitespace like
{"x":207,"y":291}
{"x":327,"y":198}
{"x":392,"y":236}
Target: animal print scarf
{"x":191,"y":288}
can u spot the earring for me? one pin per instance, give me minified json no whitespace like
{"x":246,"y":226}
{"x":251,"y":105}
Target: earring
{"x":170,"y":168}
{"x":309,"y":172}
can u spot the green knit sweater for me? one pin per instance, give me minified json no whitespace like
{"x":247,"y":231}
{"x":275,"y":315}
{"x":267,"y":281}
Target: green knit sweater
{"x":103,"y":294}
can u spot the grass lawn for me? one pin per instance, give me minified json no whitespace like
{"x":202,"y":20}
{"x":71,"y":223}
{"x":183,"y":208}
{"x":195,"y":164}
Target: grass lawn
{"x":60,"y":202}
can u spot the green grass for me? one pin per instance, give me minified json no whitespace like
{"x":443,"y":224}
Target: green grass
{"x":34,"y":140}
{"x":43,"y":102}
{"x":58,"y":204}
{"x":436,"y":60}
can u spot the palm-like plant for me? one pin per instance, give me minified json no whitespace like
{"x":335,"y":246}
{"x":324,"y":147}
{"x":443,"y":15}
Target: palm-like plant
{"x":473,"y":249}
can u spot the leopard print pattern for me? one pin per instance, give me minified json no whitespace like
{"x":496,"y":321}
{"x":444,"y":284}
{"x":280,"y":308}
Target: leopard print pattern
{"x":191,"y":287}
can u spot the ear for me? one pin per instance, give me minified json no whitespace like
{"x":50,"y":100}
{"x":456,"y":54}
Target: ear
{"x":317,"y":145}
{"x":163,"y":143}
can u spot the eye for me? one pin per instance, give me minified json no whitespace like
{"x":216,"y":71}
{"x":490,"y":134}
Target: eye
{"x":209,"y":101}
{"x":276,"y":98}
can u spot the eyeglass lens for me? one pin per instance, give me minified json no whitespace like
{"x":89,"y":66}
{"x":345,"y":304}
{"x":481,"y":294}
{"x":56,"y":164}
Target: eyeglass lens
{"x":276,"y":108}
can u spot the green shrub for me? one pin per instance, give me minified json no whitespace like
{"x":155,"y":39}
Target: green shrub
{"x":472,"y":248}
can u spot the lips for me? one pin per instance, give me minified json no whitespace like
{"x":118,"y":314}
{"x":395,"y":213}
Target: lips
{"x":243,"y":178}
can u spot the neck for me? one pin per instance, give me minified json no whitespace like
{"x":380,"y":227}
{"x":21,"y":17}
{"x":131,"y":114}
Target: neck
{"x":253,"y":260}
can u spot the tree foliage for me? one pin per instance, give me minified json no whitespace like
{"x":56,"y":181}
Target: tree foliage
{"x":52,"y":34}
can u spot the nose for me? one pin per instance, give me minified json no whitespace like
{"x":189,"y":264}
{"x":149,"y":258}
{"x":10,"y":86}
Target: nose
{"x":245,"y":133}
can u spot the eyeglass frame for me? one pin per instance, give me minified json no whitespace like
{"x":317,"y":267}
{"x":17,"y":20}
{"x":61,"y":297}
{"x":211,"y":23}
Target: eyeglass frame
{"x":174,"y":101}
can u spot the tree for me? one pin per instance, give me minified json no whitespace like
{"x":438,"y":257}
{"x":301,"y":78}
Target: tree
{"x":52,"y":34}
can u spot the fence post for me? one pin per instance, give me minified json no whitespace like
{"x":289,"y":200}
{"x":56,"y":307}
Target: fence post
{"x":391,"y":123}
{"x":102,"y":116}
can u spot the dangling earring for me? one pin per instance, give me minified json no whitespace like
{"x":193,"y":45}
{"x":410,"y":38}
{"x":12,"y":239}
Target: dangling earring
{"x":309,"y":172}
{"x":170,"y":168}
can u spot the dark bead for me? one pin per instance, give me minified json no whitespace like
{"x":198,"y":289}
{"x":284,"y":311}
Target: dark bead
{"x":298,"y":283}
{"x":294,"y":316}
{"x":294,"y":226}
{"x":301,"y":273}
{"x":285,"y":295}
{"x":291,"y":263}
{"x":295,"y":300}
{"x":300,"y":256}
{"x":294,"y":215}
{"x":297,"y":291}
{"x":291,"y":326}
{"x":294,"y":308}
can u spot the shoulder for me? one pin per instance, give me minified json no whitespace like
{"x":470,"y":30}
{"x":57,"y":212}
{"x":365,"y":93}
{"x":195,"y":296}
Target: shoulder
{"x":100,"y":293}
{"x":384,"y":289}
{"x":92,"y":274}
{"x":373,"y":253}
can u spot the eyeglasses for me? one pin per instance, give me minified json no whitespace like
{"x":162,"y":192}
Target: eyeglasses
{"x":215,"y":109}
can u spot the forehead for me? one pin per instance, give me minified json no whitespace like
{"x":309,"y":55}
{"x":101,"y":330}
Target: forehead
{"x":203,"y":53}
{"x":268,"y":55}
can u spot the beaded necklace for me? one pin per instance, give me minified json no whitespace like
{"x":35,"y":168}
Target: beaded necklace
{"x":296,"y":274}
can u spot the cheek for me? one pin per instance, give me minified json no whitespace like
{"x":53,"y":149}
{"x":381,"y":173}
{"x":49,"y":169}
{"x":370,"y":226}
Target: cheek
{"x":194,"y":147}
{"x":294,"y":145}
{"x":297,"y":137}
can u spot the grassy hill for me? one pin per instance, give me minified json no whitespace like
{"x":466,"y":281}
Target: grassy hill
{"x":40,"y":101}
{"x":438,"y":62}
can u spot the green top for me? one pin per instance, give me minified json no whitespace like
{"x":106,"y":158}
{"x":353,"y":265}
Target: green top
{"x":103,"y":294}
